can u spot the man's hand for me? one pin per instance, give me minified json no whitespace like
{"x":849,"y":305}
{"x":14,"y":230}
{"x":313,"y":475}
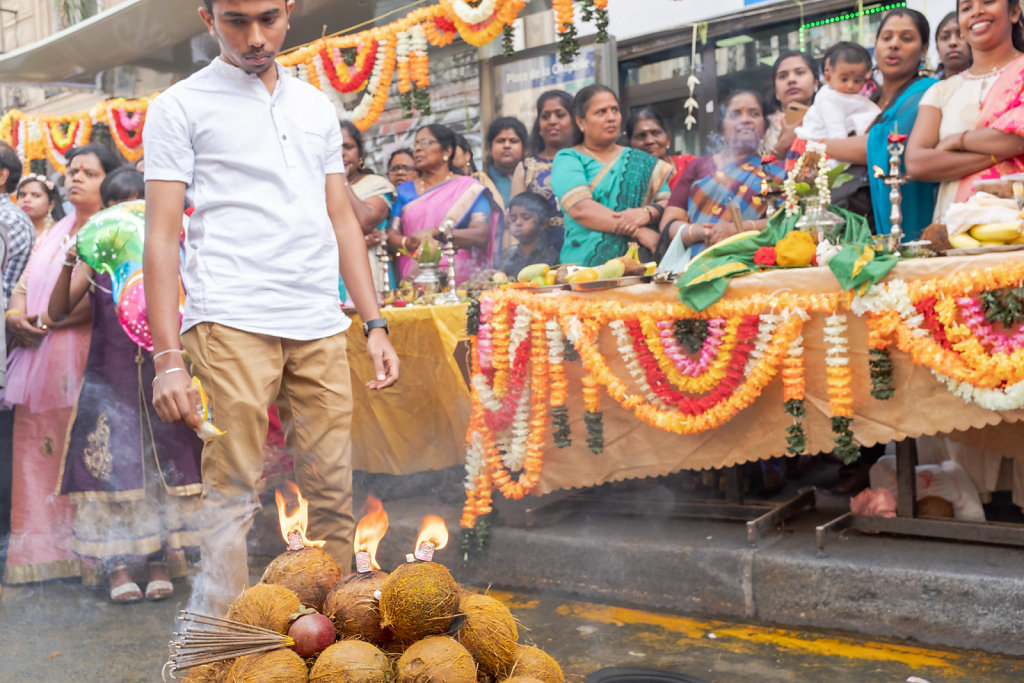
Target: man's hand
{"x":174,"y":398}
{"x":385,"y":360}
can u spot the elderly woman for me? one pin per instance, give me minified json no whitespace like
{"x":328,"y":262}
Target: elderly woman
{"x":900,"y":46}
{"x":44,"y":374}
{"x":971,"y":126}
{"x":554,"y":129}
{"x":646,"y":130}
{"x":611,"y":194}
{"x":438,"y":196}
{"x":699,"y":212}
{"x":795,"y":78}
{"x":401,"y":166}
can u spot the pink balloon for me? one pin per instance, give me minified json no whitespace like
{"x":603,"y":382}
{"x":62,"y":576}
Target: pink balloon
{"x":131,"y":311}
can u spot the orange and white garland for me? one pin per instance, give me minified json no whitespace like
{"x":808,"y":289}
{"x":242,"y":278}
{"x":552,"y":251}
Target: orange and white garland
{"x":518,"y":369}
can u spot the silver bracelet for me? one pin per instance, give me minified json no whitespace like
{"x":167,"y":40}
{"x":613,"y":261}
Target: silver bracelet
{"x":164,"y":353}
{"x":167,"y":372}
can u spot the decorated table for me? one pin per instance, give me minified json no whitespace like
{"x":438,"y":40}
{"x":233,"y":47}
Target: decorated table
{"x":420,"y":424}
{"x":783,"y":363}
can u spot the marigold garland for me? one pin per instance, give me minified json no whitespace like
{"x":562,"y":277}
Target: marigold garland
{"x":938,"y":323}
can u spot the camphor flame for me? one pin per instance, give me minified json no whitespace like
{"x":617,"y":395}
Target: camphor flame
{"x":296,"y":522}
{"x":371,"y":529}
{"x":433,"y":529}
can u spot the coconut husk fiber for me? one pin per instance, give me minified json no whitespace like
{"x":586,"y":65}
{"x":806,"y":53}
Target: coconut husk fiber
{"x":310,"y":572}
{"x":522,"y":679}
{"x":418,"y":599}
{"x":489,"y":632}
{"x":437,"y":659}
{"x":267,"y":605}
{"x":210,"y":673}
{"x":532,"y":662}
{"x":276,"y":666}
{"x":351,"y":661}
{"x":354,"y":610}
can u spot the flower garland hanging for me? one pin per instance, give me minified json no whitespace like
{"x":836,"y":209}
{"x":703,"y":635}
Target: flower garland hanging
{"x":794,"y":385}
{"x":565,"y":27}
{"x":790,"y":201}
{"x":558,"y":385}
{"x":126,"y":120}
{"x":840,"y":392}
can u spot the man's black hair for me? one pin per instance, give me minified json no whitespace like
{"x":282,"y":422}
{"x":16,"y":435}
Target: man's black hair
{"x":9,"y":160}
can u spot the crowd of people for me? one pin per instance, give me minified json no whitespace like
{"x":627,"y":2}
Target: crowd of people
{"x":98,"y":497}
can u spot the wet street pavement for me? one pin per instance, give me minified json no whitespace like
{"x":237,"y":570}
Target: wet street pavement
{"x":59,"y":631}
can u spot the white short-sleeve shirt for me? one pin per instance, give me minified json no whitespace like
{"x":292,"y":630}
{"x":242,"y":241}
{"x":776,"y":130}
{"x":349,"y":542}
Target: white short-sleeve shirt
{"x":260,"y":252}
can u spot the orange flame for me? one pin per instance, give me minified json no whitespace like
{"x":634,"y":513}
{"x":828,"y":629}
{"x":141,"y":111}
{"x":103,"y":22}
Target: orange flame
{"x":371,"y":529}
{"x":433,"y":529}
{"x":296,"y":521}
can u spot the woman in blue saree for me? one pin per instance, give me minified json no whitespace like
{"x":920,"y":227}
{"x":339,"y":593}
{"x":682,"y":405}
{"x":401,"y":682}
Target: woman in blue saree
{"x":610,"y":194}
{"x":900,"y":46}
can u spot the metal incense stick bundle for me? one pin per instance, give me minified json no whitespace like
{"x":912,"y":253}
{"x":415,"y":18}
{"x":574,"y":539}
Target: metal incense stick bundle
{"x":204,"y":639}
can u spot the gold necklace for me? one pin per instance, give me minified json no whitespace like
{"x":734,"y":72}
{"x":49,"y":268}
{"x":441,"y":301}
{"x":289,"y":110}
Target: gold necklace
{"x":995,"y":68}
{"x":423,"y":184}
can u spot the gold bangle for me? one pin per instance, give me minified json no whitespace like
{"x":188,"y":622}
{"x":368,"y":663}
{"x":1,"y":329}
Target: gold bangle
{"x":963,"y":136}
{"x":993,"y":158}
{"x":405,"y":243}
{"x":11,"y":312}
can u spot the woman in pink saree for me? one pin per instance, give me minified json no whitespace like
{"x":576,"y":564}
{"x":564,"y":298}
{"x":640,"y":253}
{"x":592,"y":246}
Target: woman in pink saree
{"x":440,"y":195}
{"x":971,"y":126}
{"x":44,"y":376}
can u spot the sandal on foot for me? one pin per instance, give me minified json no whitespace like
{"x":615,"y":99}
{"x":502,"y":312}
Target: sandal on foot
{"x":126,"y":593}
{"x":159,"y":590}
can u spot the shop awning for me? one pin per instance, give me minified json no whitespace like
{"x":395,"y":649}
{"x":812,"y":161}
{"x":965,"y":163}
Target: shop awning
{"x":154,"y":34}
{"x":123,"y":34}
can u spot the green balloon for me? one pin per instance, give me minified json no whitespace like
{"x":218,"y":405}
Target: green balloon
{"x":113,"y":236}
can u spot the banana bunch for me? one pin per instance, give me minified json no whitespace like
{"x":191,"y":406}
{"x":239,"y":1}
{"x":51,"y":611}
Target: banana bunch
{"x":988,"y":234}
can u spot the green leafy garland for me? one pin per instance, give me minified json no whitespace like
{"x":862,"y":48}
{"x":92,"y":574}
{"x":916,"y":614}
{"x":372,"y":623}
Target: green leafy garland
{"x":561,"y":434}
{"x":421,"y":99}
{"x":473,"y":542}
{"x":880,"y":367}
{"x":691,"y":333}
{"x":507,"y":36}
{"x":595,"y":431}
{"x":473,"y":317}
{"x":845,"y":446}
{"x":796,"y":439}
{"x":1003,"y":306}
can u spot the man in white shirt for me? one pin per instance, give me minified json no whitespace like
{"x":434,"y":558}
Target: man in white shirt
{"x":258,"y":154}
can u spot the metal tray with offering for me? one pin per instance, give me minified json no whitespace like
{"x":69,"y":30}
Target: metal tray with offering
{"x":610,"y":283}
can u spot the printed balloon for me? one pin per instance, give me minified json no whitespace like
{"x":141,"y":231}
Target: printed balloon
{"x":113,"y":237}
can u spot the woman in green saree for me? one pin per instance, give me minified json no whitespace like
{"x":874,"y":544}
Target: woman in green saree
{"x":610,"y":194}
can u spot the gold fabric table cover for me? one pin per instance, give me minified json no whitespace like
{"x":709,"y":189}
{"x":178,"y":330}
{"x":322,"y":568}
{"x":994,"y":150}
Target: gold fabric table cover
{"x":420,"y":423}
{"x":921,"y":405}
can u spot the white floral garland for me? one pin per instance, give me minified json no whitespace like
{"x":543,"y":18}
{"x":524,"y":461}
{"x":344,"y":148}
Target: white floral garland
{"x":514,"y":441}
{"x":556,"y":342}
{"x":418,"y":39}
{"x":366,"y":102}
{"x":839,"y":345}
{"x":624,"y":343}
{"x":890,"y":296}
{"x":766,"y":326}
{"x":474,"y":459}
{"x":1007,"y":398}
{"x":473,"y":15}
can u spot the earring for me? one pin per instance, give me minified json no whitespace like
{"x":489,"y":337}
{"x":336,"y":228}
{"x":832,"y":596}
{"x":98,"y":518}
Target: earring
{"x":446,"y":158}
{"x":362,"y":164}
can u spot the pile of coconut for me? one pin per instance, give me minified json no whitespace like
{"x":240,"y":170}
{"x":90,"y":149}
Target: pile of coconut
{"x":414,"y":625}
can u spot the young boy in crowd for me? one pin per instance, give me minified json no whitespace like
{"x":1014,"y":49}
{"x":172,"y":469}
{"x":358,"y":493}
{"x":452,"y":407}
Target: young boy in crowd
{"x":839,"y":110}
{"x":528,"y":215}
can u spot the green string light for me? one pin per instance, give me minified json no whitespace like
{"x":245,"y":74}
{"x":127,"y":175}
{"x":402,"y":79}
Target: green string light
{"x":850,"y":15}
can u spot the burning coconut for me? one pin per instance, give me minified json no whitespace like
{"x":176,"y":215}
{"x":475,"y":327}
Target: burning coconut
{"x":420,"y":597}
{"x":270,"y":636}
{"x":352,"y":604}
{"x":304,"y":568}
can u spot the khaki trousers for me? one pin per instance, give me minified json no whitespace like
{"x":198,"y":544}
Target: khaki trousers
{"x":243,"y":373}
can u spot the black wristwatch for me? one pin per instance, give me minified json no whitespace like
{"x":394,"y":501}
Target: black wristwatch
{"x":374,"y":324}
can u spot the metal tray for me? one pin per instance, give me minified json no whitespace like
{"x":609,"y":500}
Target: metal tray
{"x":970,"y":251}
{"x":610,"y":283}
